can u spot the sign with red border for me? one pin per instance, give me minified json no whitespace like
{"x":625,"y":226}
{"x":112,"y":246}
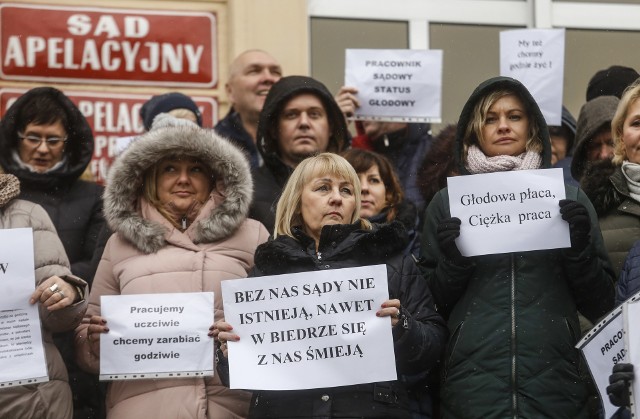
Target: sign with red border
{"x":108,"y":46}
{"x":113,"y":117}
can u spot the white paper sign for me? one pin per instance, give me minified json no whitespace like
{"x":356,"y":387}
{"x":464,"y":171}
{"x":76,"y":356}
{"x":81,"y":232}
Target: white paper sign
{"x":631,"y":318}
{"x":513,"y":211}
{"x":396,"y":84}
{"x":309,"y":330}
{"x":156,"y":335}
{"x":535,"y":57}
{"x":603,"y":347}
{"x":22,"y":358}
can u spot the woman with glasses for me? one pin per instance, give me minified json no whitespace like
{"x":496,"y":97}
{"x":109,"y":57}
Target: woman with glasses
{"x":47,"y":144}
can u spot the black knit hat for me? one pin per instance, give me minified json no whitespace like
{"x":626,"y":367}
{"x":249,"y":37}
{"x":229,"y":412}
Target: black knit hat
{"x":166,"y":103}
{"x":611,"y":81}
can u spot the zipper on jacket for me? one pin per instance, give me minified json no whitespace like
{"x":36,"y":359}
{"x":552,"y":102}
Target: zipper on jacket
{"x":184,"y":222}
{"x":514,"y":394}
{"x":319,"y":255}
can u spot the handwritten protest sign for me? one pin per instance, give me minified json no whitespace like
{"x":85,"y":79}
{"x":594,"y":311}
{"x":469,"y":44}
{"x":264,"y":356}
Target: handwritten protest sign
{"x":309,"y":330}
{"x":536,"y":58}
{"x":22,"y":359}
{"x":156,"y":335}
{"x":396,"y":85}
{"x":506,"y":212}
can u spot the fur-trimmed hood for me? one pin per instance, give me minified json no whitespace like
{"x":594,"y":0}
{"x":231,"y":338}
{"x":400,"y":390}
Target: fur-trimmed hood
{"x":337,"y":242}
{"x":170,"y":138}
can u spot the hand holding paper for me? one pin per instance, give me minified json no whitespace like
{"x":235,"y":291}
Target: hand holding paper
{"x":448,"y":232}
{"x":221,"y":331}
{"x":620,"y":378}
{"x":577,"y":216}
{"x":97,"y":326}
{"x":54,"y":293}
{"x":347,"y":101}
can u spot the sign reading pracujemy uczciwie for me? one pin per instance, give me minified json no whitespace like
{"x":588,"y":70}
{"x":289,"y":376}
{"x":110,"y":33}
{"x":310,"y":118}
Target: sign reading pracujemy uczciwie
{"x":108,"y":46}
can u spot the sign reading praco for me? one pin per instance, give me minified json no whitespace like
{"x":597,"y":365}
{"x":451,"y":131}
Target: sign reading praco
{"x":112,"y":116}
{"x":108,"y":46}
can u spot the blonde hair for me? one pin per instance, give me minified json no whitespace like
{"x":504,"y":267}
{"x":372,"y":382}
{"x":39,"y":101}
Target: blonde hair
{"x":473,"y":132}
{"x":288,"y":212}
{"x":629,"y":97}
{"x":150,"y":188}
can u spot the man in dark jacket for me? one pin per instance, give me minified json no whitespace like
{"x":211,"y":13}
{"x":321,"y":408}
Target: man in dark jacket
{"x":300,"y":118}
{"x":47,"y":143}
{"x":251,"y":75}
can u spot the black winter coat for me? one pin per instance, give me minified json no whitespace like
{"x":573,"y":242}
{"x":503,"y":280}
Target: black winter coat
{"x":417,"y":344}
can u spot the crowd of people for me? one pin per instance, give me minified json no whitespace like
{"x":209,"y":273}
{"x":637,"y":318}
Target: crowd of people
{"x":281,"y":185}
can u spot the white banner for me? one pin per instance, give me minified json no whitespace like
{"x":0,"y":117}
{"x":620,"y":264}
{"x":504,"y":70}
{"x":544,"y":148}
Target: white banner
{"x":535,"y":57}
{"x":22,"y":358}
{"x":396,"y":84}
{"x":505,"y":212}
{"x":309,"y":330}
{"x":156,"y":335}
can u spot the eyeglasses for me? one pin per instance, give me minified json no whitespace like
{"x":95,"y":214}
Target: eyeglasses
{"x":34,"y":141}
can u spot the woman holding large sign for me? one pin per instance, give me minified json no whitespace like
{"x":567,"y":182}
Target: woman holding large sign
{"x":317,"y":228}
{"x":60,"y":297}
{"x":177,"y":200}
{"x":513,"y":316}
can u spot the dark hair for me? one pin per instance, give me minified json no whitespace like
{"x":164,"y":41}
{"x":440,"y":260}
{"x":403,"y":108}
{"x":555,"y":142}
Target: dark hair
{"x":41,"y":110}
{"x":363,"y":160}
{"x":438,"y":163}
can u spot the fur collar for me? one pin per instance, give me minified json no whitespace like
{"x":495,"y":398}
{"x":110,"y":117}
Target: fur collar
{"x":124,"y":186}
{"x":602,"y":185}
{"x":287,"y":254}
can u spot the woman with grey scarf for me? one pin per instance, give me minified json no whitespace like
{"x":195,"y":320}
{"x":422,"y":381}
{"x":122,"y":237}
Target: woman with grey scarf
{"x":614,"y":186}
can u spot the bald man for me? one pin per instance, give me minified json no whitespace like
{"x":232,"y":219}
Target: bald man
{"x":251,"y":75}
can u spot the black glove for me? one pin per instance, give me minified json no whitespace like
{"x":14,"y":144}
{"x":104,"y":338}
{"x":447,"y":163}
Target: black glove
{"x":620,"y":379}
{"x":577,"y":216}
{"x":448,"y":231}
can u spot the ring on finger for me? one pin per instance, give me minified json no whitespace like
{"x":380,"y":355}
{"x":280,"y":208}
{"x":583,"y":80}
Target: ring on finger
{"x":396,"y":314}
{"x":53,"y":288}
{"x":62,"y":296}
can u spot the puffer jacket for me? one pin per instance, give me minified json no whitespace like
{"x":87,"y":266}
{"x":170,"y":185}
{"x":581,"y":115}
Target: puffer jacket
{"x":513,"y":316}
{"x":74,"y":205}
{"x":618,"y":213}
{"x":146,"y":254}
{"x":417,"y":345}
{"x":52,"y":399}
{"x":629,"y":281}
{"x":270,"y":178}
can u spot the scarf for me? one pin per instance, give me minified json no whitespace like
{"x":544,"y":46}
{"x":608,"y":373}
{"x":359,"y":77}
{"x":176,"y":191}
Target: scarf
{"x":9,"y":188}
{"x":23,"y":165}
{"x":478,"y":162}
{"x":631,"y":172}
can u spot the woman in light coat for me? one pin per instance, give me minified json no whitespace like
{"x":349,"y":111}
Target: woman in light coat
{"x":177,"y":201}
{"x":60,"y":297}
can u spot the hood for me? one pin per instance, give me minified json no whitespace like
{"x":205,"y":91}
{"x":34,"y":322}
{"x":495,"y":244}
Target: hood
{"x":481,"y":91}
{"x":78,"y":149}
{"x":171,"y":137}
{"x":593,"y":115}
{"x":285,"y":89}
{"x":9,"y":189}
